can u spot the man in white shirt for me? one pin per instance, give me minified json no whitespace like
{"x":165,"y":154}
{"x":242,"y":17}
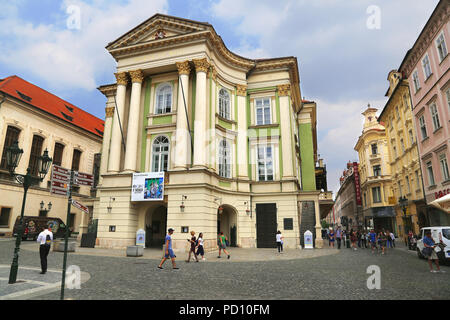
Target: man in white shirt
{"x":45,"y":239}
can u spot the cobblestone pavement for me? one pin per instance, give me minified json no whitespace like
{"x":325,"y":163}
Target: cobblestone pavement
{"x":342,"y":275}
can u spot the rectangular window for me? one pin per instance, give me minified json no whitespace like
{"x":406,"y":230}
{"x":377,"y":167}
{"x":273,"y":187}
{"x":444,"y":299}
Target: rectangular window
{"x":376,"y":195}
{"x":441,"y":47}
{"x":265,"y":163}
{"x":411,"y":136}
{"x":377,"y":171}
{"x":374,"y":148}
{"x":76,"y":160}
{"x":416,"y":80}
{"x":365,"y":200}
{"x":4,"y":217}
{"x":288,"y":224}
{"x":423,"y":127}
{"x":36,"y":152}
{"x":12,"y":135}
{"x":426,"y":66}
{"x":430,"y":174}
{"x":444,"y":166}
{"x":58,"y":154}
{"x":263,"y":111}
{"x":447,"y":93}
{"x":417,"y":180}
{"x":435,"y":117}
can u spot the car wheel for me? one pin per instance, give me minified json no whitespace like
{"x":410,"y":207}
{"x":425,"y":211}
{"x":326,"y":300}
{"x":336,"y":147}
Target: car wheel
{"x":419,"y":254}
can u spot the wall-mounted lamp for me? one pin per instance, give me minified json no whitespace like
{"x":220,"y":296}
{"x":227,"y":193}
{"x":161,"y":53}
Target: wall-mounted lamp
{"x":247,"y":210}
{"x":109,"y":205}
{"x":182,"y":203}
{"x":220,"y":210}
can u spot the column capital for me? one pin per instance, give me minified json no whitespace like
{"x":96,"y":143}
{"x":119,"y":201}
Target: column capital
{"x":122,"y":78}
{"x":201,"y":65}
{"x":136,"y":76}
{"x":183,"y":68}
{"x":109,"y":111}
{"x":241,"y":90}
{"x":283,"y":89}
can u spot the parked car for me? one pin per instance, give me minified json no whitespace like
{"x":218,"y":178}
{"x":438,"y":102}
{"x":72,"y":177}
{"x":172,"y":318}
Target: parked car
{"x":35,"y":225}
{"x":441,"y":236}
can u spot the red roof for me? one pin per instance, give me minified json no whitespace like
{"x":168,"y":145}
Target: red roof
{"x":44,"y":100}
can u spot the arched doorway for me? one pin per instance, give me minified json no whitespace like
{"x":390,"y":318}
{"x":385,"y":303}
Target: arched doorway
{"x":227,"y":223}
{"x":155,"y":226}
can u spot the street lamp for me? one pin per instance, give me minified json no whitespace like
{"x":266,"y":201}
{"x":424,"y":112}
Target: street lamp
{"x":44,"y":210}
{"x":13,"y":156}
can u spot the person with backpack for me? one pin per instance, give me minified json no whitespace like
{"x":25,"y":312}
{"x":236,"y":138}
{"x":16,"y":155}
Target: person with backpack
{"x":222,"y":242}
{"x":200,"y":249}
{"x":194,"y":244}
{"x":45,"y":239}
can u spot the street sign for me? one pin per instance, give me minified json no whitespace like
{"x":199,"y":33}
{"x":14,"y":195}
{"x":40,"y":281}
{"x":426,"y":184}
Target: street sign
{"x":60,"y":180}
{"x":83,"y":179}
{"x":80,"y":206}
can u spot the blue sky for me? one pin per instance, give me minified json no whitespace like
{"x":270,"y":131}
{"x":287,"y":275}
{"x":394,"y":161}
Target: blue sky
{"x":343,"y":63}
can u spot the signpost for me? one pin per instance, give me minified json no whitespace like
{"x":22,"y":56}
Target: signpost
{"x":62,"y":181}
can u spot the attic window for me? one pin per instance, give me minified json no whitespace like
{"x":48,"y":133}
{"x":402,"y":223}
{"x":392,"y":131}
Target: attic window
{"x":99,"y":132}
{"x":67,"y":117}
{"x":23,"y":96}
{"x":69,"y":108}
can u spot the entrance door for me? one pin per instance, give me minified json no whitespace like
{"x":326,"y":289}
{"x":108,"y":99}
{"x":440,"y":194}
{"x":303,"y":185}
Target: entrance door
{"x":266,"y":225}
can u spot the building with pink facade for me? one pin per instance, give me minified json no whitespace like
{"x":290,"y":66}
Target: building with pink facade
{"x":426,"y":66}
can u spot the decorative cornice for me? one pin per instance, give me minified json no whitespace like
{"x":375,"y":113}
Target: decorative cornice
{"x":109,"y":112}
{"x":136,"y":76}
{"x":183,"y":67}
{"x":108,"y":90}
{"x":122,"y":78}
{"x":201,"y":65}
{"x":283,"y":90}
{"x":241,"y":90}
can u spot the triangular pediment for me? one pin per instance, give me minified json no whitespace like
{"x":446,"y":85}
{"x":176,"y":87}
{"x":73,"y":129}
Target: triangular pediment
{"x":156,"y":28}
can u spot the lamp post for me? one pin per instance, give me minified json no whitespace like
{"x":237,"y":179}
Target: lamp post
{"x":13,"y":155}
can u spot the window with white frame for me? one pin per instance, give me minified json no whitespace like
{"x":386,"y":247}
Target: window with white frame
{"x":163,"y":98}
{"x":265,"y":163}
{"x":416,"y":80}
{"x":263,"y":111}
{"x":224,"y":159}
{"x":160,"y":154}
{"x":435,"y":116}
{"x":426,"y":66}
{"x":224,"y":104}
{"x":376,"y":194}
{"x":377,"y":171}
{"x":374,"y":148}
{"x":441,"y":47}
{"x":444,"y":166}
{"x":430,"y":174}
{"x":423,"y":127}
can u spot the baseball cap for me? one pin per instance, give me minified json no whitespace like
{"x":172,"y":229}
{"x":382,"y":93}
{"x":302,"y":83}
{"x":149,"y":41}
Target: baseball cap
{"x":170,"y":229}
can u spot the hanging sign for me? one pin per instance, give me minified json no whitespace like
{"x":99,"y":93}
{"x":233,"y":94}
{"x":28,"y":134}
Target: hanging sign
{"x":147,"y":186}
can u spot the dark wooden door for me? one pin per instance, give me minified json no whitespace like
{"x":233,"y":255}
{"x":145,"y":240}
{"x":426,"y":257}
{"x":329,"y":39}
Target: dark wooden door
{"x":266,"y":225}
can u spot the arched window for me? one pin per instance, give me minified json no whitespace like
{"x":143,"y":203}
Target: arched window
{"x":160,"y":154}
{"x":163,"y":99}
{"x":224,"y":159}
{"x":224,"y":104}
{"x":12,"y":135}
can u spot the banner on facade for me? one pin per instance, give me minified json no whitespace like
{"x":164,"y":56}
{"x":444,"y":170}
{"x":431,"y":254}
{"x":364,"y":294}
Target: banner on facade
{"x":147,"y":186}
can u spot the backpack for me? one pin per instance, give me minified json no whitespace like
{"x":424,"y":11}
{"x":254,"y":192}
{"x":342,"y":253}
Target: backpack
{"x":48,"y":240}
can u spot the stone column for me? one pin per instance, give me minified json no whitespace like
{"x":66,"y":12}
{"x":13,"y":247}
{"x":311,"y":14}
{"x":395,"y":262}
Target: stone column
{"x":212,"y":135}
{"x":241,"y":117}
{"x":183,"y":141}
{"x":133,"y":120}
{"x":116,"y":135}
{"x":109,"y":92}
{"x":201,"y":66}
{"x":286,"y":131}
{"x":318,"y":227}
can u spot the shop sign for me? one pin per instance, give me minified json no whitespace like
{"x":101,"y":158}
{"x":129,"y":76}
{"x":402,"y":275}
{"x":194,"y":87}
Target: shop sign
{"x":441,"y":193}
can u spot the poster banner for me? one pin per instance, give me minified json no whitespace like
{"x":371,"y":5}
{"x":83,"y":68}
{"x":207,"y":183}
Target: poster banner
{"x":148,"y":186}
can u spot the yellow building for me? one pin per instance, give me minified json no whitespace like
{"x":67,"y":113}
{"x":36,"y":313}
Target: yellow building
{"x":375,"y":174}
{"x":404,"y":161}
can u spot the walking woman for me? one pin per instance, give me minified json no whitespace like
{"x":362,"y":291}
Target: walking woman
{"x":279,"y":239}
{"x":353,"y":239}
{"x":200,"y":250}
{"x":382,"y":241}
{"x":193,"y":242}
{"x":223,"y":244}
{"x":332,"y":238}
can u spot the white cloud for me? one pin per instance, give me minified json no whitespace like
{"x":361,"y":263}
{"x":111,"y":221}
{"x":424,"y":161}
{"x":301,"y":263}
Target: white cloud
{"x":71,"y":58}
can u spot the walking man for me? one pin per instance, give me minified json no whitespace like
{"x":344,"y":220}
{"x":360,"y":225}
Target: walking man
{"x":223,"y":244}
{"x":373,"y":240}
{"x":168,"y":252}
{"x":45,"y":239}
{"x":339,"y":237}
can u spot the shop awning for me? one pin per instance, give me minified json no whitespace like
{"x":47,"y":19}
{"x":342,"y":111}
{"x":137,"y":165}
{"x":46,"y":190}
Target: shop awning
{"x":442,"y":203}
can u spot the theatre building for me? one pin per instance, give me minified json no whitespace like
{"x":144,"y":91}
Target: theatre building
{"x":198,"y":138}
